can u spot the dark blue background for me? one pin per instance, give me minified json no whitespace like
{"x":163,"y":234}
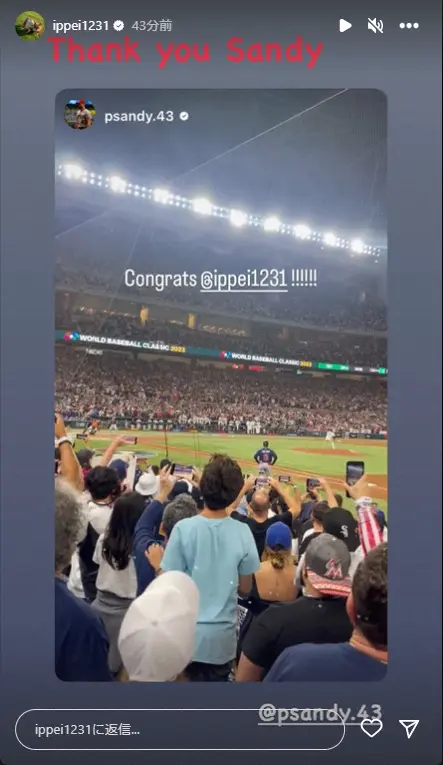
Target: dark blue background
{"x":406,"y":66}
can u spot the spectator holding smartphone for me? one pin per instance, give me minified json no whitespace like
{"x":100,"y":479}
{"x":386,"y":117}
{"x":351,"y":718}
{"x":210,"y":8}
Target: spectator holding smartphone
{"x":312,"y":528}
{"x":68,"y":467}
{"x":104,"y":487}
{"x":220,"y":555}
{"x":258,"y":518}
{"x":370,"y":531}
{"x":148,"y":529}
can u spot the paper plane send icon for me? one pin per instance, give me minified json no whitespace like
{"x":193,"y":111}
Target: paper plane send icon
{"x":344,"y":25}
{"x":409,"y":726}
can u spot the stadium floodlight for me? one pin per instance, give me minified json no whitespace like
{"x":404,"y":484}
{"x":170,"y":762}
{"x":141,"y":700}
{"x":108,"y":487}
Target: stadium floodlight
{"x":302,"y":232}
{"x":202,"y":206}
{"x":330,"y":240}
{"x":117,"y":184}
{"x":272,"y":224}
{"x":73,"y":171}
{"x":238,"y":218}
{"x":357,"y":246}
{"x":162,"y":196}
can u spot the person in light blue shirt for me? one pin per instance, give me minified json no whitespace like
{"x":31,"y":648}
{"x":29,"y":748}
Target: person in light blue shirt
{"x":221,"y":556}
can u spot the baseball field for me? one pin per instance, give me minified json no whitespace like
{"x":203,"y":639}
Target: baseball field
{"x":299,"y":457}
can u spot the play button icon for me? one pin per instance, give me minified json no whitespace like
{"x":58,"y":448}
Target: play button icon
{"x":344,"y":25}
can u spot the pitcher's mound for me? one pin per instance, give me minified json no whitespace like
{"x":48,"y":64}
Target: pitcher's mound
{"x":330,"y":452}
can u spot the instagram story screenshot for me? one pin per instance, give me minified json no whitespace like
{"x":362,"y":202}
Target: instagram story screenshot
{"x":220,"y":337}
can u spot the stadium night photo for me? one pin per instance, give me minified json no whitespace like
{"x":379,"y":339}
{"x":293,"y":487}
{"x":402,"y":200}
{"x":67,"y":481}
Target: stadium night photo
{"x":221,"y":503}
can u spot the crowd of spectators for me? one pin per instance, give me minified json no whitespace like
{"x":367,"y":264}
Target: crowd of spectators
{"x":369,"y":351}
{"x":114,"y":385}
{"x":204,"y":580}
{"x":213,"y":575}
{"x":341,"y":300}
{"x":327,"y":306}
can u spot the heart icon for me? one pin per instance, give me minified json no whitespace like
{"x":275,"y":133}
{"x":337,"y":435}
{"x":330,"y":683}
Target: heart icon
{"x":371,"y":727}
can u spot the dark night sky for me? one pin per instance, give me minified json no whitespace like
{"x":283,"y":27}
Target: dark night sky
{"x":328,"y":167}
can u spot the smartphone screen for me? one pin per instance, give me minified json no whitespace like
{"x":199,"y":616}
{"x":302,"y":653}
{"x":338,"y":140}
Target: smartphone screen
{"x":312,"y":483}
{"x":284,"y":478}
{"x":182,"y":471}
{"x":261,"y":481}
{"x":131,"y":440}
{"x":354,"y":471}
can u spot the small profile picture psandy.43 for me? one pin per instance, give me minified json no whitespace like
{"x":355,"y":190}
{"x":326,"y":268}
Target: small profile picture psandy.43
{"x":79,"y":113}
{"x":30,"y":25}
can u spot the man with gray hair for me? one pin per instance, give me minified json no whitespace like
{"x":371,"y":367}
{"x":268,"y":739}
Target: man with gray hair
{"x":81,"y":643}
{"x":176,"y":510}
{"x":181,"y":507}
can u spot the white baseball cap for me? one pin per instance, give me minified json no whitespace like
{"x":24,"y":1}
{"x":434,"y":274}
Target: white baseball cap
{"x":147,"y":484}
{"x":157,"y":636}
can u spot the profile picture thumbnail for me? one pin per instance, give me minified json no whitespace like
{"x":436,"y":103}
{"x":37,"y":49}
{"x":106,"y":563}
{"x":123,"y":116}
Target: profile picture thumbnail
{"x":30,"y":25}
{"x":79,"y":114}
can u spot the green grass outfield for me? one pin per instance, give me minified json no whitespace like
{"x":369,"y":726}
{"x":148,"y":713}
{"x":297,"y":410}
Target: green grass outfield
{"x":299,"y":457}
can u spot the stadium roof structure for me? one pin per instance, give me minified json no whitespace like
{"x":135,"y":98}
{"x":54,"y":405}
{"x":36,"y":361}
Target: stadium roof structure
{"x":162,"y":209}
{"x":309,"y":157}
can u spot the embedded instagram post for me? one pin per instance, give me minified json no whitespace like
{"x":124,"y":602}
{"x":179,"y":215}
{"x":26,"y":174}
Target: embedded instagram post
{"x":220,"y":395}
